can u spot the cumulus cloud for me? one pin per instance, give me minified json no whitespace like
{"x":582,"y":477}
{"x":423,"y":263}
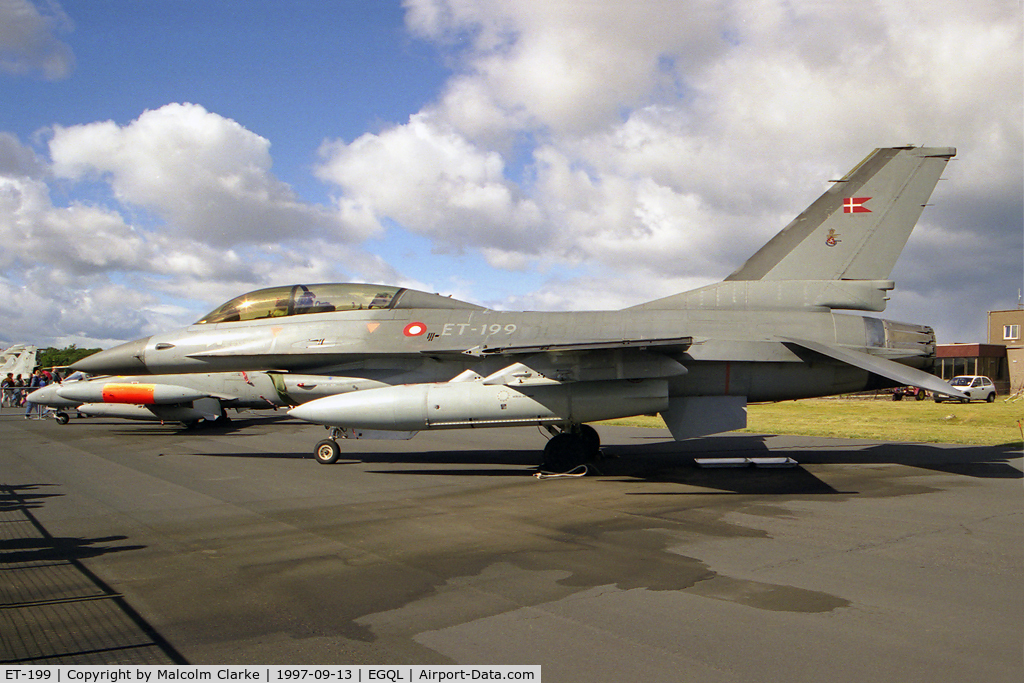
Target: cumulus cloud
{"x":434,"y":182}
{"x":87,"y":271}
{"x":29,"y":42}
{"x":669,"y":141}
{"x":206,"y":176}
{"x":613,"y":152}
{"x":561,"y":66}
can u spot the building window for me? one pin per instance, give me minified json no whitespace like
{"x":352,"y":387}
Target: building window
{"x":1011,"y":332}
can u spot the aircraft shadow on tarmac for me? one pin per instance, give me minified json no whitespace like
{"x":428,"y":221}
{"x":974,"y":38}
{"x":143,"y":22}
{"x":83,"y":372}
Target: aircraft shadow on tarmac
{"x":674,"y":462}
{"x":235,"y":424}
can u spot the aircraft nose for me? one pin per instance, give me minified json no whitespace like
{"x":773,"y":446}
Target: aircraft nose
{"x":42,"y":395}
{"x":125,"y":359}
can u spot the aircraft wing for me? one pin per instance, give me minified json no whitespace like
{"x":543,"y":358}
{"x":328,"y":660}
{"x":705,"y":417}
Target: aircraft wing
{"x":665,"y":343}
{"x":879,"y":366}
{"x":576,"y":361}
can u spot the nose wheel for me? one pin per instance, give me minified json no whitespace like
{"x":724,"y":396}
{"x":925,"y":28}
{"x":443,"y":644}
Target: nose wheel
{"x":327,"y":452}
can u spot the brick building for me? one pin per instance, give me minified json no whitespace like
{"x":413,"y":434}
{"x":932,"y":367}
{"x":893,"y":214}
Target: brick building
{"x":1001,"y":359}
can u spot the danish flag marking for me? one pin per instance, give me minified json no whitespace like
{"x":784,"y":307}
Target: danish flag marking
{"x":855,"y":205}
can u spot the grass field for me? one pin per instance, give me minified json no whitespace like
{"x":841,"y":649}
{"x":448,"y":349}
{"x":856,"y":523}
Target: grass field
{"x":882,"y":419}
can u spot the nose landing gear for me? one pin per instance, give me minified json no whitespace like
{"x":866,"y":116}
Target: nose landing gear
{"x":327,"y":452}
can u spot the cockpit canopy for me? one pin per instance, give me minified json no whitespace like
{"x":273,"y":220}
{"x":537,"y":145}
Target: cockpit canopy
{"x":275,"y":302}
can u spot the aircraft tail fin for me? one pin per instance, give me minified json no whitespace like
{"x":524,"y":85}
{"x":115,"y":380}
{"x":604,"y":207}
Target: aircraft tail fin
{"x":19,"y":359}
{"x":857,"y":229}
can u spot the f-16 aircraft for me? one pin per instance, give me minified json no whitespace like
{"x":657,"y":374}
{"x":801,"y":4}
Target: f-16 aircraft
{"x":770,"y":331}
{"x":192,"y":399}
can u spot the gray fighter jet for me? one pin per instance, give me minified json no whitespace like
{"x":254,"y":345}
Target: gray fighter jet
{"x":192,"y":399}
{"x":771,"y":331}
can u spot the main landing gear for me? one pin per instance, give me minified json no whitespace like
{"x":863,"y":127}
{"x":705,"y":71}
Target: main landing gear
{"x":204,"y":422}
{"x":570,"y":448}
{"x":566,"y":450}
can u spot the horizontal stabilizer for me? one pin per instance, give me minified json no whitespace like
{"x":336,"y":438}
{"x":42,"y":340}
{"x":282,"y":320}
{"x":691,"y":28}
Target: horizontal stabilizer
{"x":880,"y":366}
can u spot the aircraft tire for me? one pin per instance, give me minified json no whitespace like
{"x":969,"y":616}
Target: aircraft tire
{"x":564,"y":452}
{"x":591,"y":440}
{"x":61,"y":418}
{"x":327,"y":452}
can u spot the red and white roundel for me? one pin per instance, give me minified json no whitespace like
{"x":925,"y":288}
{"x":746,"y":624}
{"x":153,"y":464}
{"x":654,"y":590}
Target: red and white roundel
{"x":414,"y":329}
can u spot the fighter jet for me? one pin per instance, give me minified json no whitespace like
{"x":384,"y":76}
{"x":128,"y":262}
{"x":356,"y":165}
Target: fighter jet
{"x":192,"y":399}
{"x":18,"y":360}
{"x":772,"y":330}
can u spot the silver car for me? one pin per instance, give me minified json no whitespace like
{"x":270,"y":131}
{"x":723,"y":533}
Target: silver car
{"x":976,"y":387}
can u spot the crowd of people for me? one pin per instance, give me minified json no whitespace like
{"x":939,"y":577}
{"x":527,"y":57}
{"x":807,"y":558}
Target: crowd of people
{"x":15,"y":390}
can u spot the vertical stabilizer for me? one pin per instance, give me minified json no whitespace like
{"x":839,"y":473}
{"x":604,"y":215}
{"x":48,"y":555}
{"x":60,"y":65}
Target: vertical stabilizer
{"x":857,"y":229}
{"x":20,"y":360}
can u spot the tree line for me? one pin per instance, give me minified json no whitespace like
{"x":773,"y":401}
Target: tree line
{"x":49,"y":357}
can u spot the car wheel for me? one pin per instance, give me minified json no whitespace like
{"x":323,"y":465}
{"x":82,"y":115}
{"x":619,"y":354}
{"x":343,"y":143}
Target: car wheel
{"x":991,"y":397}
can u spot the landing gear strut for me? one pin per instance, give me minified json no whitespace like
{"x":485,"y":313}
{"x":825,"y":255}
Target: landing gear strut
{"x":570,"y":448}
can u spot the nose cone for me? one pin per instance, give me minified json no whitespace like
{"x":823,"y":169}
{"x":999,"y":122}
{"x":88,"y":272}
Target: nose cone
{"x":44,"y":393}
{"x":126,"y":359}
{"x":341,"y":409}
{"x":307,"y":413}
{"x":43,"y":396}
{"x":49,"y":396}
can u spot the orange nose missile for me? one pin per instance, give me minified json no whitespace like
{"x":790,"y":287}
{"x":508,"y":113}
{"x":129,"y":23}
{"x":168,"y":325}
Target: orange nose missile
{"x":120,"y":392}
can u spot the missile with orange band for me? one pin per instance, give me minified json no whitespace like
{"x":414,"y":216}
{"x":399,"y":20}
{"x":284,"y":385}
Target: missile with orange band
{"x":118,"y":392}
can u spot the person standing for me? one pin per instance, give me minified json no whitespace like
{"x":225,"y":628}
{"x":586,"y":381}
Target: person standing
{"x":36,"y":381}
{"x":7,"y":387}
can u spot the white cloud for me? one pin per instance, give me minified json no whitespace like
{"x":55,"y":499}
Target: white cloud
{"x":621,"y":150}
{"x":206,"y":176}
{"x":84,"y":272}
{"x":669,"y":141}
{"x":29,"y":42}
{"x":434,"y":182}
{"x":561,"y":66}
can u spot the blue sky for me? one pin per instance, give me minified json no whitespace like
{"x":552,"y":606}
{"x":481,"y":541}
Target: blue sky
{"x":276,"y":66}
{"x":157,"y":158}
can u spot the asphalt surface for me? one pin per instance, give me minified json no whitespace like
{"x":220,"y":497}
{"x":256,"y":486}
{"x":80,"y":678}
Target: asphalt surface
{"x":140,"y":543}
